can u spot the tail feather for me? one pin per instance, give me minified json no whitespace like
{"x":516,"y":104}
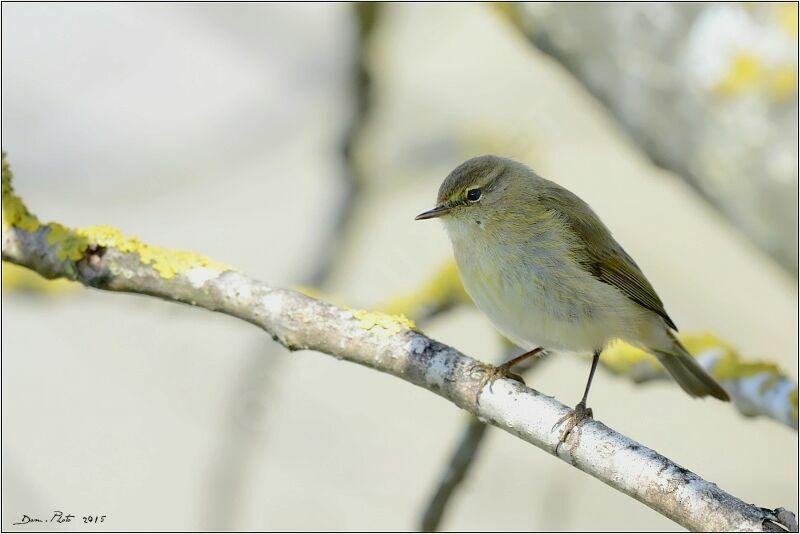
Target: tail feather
{"x":688,"y":373}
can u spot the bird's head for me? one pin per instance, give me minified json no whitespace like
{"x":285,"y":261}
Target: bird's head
{"x":482,"y":193}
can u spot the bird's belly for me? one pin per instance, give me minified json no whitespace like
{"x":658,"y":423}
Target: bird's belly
{"x":558,"y":306}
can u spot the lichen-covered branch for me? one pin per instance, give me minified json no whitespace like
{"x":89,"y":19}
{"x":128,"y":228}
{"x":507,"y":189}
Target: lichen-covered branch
{"x":757,"y":388}
{"x":107,"y":260}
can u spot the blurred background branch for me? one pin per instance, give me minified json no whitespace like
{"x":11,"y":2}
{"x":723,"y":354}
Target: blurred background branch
{"x":709,"y":92}
{"x":250,"y":393}
{"x":461,"y":459}
{"x":364,"y":15}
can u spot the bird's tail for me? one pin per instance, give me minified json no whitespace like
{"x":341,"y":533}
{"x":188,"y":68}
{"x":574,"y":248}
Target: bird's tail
{"x":688,"y":374}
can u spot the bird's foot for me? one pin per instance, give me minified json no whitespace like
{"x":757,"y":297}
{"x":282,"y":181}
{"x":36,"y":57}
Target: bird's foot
{"x":502,"y":371}
{"x":574,"y":418}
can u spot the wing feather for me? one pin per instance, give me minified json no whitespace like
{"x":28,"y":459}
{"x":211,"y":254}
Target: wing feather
{"x":622,"y":272}
{"x":599,"y":253}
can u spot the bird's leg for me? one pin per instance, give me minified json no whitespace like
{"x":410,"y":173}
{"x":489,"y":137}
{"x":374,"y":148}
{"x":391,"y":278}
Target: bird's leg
{"x":580,"y":412}
{"x":506,"y":367}
{"x":504,"y":370}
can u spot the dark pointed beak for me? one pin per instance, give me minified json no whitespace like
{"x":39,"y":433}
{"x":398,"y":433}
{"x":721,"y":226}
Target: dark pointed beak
{"x":432,"y":214}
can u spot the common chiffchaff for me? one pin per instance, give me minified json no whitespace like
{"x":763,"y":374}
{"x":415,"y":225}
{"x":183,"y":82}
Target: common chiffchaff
{"x":546,"y":271}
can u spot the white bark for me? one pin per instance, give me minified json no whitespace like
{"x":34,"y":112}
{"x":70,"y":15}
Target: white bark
{"x":620,"y":462}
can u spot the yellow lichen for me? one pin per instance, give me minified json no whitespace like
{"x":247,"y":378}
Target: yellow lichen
{"x":743,"y":76}
{"x":309,"y":291}
{"x":388,"y":324}
{"x":749,"y":74}
{"x":15,"y":214}
{"x":697,"y":344}
{"x":505,"y":10}
{"x":786,"y":13}
{"x":793,"y":402}
{"x":72,"y":244}
{"x":621,"y":358}
{"x":768,"y":384}
{"x":783,"y":82}
{"x":168,"y":263}
{"x":730,"y":365}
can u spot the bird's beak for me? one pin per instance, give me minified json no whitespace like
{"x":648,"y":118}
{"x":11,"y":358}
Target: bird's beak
{"x":439,"y":211}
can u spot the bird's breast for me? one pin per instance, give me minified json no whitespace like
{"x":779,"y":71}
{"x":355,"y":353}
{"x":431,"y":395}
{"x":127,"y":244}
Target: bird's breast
{"x":537,"y":295}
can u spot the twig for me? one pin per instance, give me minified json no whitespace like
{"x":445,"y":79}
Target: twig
{"x":365,"y":15}
{"x":460,"y":462}
{"x":237,"y":444}
{"x":757,"y":388}
{"x":243,"y":429}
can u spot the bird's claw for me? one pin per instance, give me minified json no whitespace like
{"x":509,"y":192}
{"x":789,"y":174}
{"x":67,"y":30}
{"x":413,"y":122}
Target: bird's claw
{"x":572,"y":419}
{"x":502,"y":371}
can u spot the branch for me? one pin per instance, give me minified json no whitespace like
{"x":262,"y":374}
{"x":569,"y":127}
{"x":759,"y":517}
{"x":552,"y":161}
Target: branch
{"x":756,"y":387}
{"x":102,"y":258}
{"x":460,"y":462}
{"x":685,"y":142}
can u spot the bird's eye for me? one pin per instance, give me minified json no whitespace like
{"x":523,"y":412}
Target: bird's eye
{"x":473,"y":195}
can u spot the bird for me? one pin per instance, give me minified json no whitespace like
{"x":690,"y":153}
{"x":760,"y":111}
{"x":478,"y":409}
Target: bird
{"x":549,"y":275}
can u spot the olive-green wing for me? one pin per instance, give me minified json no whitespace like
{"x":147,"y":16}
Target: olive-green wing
{"x":619,"y":270}
{"x":599,"y":253}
